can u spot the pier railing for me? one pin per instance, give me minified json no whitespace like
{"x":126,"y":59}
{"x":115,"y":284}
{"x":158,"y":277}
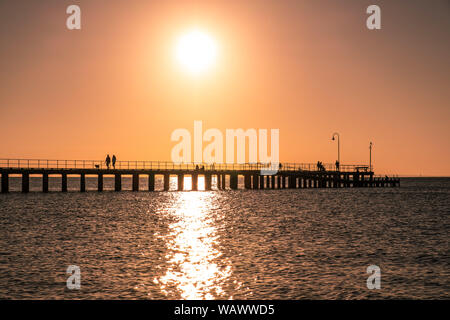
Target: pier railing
{"x":167,"y":165}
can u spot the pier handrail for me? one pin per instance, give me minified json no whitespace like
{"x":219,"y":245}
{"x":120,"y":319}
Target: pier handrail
{"x":167,"y":165}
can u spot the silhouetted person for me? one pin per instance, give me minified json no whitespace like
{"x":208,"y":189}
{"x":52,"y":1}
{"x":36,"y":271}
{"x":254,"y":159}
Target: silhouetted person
{"x":337,"y":165}
{"x":196,"y":168}
{"x":114,"y":161}
{"x":107,"y":161}
{"x":320,"y":166}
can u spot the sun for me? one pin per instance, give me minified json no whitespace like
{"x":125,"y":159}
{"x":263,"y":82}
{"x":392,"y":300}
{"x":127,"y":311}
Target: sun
{"x":196,"y":51}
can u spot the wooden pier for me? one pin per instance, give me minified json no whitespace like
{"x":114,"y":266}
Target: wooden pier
{"x":256,"y":176}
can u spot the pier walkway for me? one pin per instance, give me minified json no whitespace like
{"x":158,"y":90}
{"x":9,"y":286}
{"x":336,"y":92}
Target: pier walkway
{"x":289,"y":175}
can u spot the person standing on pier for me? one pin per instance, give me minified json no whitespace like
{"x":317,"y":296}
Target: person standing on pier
{"x":337,"y":165}
{"x":107,"y":161}
{"x":114,"y":161}
{"x":320,"y":166}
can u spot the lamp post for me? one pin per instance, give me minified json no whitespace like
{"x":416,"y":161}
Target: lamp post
{"x":339,"y":151}
{"x":370,"y":156}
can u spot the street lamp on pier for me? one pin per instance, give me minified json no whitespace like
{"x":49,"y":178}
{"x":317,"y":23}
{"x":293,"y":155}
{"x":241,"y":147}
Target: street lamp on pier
{"x":338,"y":143}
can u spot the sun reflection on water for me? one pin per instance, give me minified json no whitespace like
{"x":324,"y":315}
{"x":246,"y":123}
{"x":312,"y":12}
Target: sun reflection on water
{"x":195,"y":267}
{"x":188,"y":183}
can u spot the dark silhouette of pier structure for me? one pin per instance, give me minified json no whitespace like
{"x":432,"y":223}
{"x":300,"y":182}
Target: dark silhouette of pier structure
{"x":288,"y":176}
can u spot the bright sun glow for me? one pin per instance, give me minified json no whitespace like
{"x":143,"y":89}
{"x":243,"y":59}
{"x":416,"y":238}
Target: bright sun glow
{"x":196,"y":51}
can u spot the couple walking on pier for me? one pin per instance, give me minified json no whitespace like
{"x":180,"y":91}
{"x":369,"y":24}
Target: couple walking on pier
{"x":108,"y":161}
{"x":321,"y":167}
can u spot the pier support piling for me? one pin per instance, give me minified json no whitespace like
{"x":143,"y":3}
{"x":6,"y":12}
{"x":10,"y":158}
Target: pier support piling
{"x":135,"y":182}
{"x":208,"y":182}
{"x":166,"y":182}
{"x":356,"y":180}
{"x":233,"y":181}
{"x":100,"y":182}
{"x":64,"y":182}
{"x":151,"y":182}
{"x":25,"y":182}
{"x":261,"y":182}
{"x":180,"y":182}
{"x":82,"y":182}
{"x":321,"y":181}
{"x":117,"y":182}
{"x":247,"y":181}
{"x":5,"y":183}
{"x":195,"y":182}
{"x":255,"y":181}
{"x":291,"y":182}
{"x":45,"y":182}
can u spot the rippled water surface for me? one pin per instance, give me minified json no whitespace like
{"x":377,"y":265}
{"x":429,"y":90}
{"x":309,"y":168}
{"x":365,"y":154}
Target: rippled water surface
{"x":263,"y":244}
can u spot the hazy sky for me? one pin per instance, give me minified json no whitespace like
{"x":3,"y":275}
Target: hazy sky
{"x":308,"y":68}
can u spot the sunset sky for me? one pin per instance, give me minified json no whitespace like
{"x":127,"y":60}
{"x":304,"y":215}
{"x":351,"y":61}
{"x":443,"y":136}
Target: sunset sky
{"x":307,"y":68}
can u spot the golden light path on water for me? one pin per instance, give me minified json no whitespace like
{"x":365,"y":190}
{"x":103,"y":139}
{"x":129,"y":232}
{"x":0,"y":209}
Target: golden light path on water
{"x":193,"y":255}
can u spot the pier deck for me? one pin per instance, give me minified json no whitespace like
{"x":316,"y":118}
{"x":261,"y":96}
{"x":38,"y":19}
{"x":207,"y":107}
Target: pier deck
{"x":256,"y":176}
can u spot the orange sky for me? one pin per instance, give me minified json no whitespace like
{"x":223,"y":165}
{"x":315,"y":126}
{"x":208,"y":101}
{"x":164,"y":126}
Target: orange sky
{"x":308,"y":68}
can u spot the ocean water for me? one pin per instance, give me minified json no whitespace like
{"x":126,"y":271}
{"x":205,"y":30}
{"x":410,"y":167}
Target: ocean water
{"x":243,"y":244}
